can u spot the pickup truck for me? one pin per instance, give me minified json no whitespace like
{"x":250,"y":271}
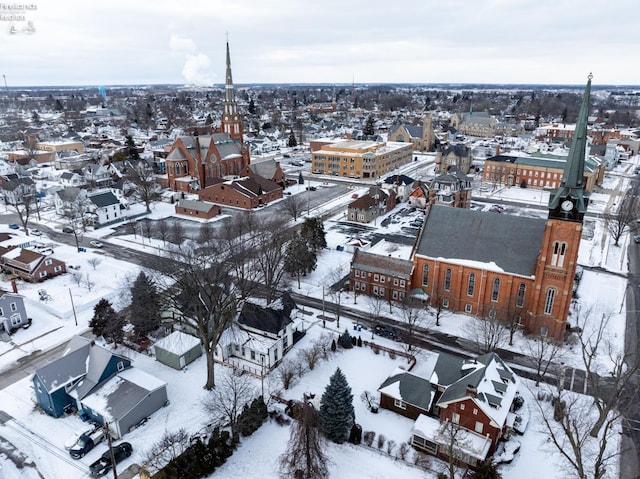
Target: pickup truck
{"x":85,"y":443}
{"x":103,"y":465}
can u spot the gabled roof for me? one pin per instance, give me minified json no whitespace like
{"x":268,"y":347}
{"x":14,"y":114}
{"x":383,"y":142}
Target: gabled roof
{"x":104,"y":199}
{"x":82,"y":359}
{"x":409,"y":388}
{"x":399,"y":180}
{"x":376,"y":263}
{"x":264,"y":319}
{"x":489,"y":383}
{"x":196,"y":205}
{"x":70,"y":193}
{"x":498,"y":242}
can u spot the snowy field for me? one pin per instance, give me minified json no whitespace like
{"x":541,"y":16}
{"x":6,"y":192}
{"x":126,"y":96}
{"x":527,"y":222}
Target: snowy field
{"x":55,"y":322}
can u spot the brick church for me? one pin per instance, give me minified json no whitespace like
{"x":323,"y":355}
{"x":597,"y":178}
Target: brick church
{"x":194,"y":162}
{"x":489,"y":265}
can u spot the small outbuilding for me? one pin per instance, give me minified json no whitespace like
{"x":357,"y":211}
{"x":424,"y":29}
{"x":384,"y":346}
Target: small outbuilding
{"x":178,"y":349}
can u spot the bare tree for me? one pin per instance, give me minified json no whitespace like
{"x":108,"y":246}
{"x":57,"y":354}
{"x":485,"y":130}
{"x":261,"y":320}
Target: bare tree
{"x":20,"y":195}
{"x":305,"y":457}
{"x":146,"y":228}
{"x":488,"y":334}
{"x":94,"y":262}
{"x":162,"y":227}
{"x":453,"y":436}
{"x":312,"y":355}
{"x":569,"y":420}
{"x":201,"y":288}
{"x":414,"y":318}
{"x":170,"y":446}
{"x":614,"y":383}
{"x":286,"y":372}
{"x":176,"y":232}
{"x":144,"y":182}
{"x":334,"y":290}
{"x":618,"y":223}
{"x":541,"y":353}
{"x":226,"y":401}
{"x":376,"y":303}
{"x":268,"y":255}
{"x":293,"y":205}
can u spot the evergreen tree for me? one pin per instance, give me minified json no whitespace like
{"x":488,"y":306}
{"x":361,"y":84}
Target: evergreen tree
{"x":369,"y":127}
{"x":345,"y":340}
{"x":299,"y":259}
{"x":144,"y":311}
{"x":336,"y":408}
{"x":102,"y":313}
{"x":131,"y":150}
{"x":292,"y":140}
{"x":252,"y":107}
{"x":313,"y":232}
{"x":209,"y":120}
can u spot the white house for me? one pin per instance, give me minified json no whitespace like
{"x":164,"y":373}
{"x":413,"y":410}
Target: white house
{"x":106,"y":207}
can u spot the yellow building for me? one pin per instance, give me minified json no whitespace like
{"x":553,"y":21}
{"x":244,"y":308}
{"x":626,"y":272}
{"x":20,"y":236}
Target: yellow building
{"x":360,"y":159}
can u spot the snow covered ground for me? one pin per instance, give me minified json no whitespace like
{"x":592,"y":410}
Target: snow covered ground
{"x":55,"y":322}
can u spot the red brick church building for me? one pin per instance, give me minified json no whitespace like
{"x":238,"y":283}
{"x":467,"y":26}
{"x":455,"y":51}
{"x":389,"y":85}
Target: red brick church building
{"x":512,"y":268}
{"x":198,"y":161}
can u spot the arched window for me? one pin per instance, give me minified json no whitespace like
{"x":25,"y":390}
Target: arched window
{"x":472,"y":284}
{"x":520,"y":300}
{"x":548,"y":304}
{"x":447,"y":279}
{"x":177,"y":168}
{"x":496,"y":289}
{"x":425,"y":275}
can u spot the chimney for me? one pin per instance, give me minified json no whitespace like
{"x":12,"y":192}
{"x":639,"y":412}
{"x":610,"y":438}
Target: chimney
{"x":14,"y":286}
{"x":471,"y":391}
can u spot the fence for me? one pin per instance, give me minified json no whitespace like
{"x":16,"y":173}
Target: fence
{"x":410,"y":357}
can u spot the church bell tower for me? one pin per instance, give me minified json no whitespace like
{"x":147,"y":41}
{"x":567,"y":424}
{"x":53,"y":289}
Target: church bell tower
{"x":231,"y":122}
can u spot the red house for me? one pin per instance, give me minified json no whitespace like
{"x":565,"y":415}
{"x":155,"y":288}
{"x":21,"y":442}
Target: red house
{"x":30,"y":265}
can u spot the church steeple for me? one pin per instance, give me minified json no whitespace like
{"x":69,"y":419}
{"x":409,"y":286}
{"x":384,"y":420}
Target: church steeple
{"x":231,"y":122}
{"x":570,"y":201}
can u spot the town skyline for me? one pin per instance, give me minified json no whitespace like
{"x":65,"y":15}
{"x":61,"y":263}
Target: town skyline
{"x":289,"y":42}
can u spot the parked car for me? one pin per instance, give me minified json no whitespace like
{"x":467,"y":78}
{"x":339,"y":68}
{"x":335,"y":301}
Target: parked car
{"x":36,"y":233}
{"x":86,"y":442}
{"x":103,"y":465}
{"x":355,"y":195}
{"x":96,"y":244}
{"x":67,"y":229}
{"x":72,"y":441}
{"x":636,"y":239}
{"x":386,"y":331}
{"x":14,"y":226}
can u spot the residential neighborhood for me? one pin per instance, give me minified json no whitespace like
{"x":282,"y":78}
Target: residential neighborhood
{"x":210,"y":272}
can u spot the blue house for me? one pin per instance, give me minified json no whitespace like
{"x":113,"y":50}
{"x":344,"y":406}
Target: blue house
{"x":82,"y":369}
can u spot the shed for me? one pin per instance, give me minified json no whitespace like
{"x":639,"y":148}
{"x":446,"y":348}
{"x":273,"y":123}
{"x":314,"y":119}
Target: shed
{"x":178,"y":349}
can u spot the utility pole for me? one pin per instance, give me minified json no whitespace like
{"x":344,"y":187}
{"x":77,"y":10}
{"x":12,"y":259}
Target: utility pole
{"x":113,"y":459}
{"x":5,"y":82}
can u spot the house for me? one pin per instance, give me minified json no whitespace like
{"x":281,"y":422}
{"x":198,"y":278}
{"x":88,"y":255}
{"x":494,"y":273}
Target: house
{"x":452,"y":188}
{"x":69,"y":178}
{"x":70,"y":202}
{"x":197,"y":209}
{"x":380,"y":276}
{"x":15,"y":189}
{"x":476,"y":397}
{"x":368,"y":207}
{"x":178,"y":349}
{"x":261,"y":335}
{"x":248,"y":192}
{"x":458,"y":155}
{"x":125,"y":400}
{"x":82,"y":367}
{"x":97,"y":176}
{"x":100,"y":384}
{"x":13,"y":314}
{"x":30,"y":265}
{"x":401,"y":184}
{"x":106,"y":208}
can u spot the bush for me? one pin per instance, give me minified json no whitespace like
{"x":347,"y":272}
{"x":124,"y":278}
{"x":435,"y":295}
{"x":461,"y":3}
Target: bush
{"x":375,"y":348}
{"x":391,"y":446}
{"x":355,"y":437}
{"x":345,"y":340}
{"x":359,"y":343}
{"x":403,"y":450}
{"x":368,"y":438}
{"x":518,"y":401}
{"x":333,"y":345}
{"x":381,"y":441}
{"x":392,"y":355}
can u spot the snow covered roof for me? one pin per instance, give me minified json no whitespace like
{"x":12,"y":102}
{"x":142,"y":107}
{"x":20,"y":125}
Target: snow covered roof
{"x":178,"y":343}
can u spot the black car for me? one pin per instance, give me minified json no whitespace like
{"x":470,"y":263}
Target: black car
{"x":67,"y":229}
{"x":103,"y":465}
{"x":386,"y":332}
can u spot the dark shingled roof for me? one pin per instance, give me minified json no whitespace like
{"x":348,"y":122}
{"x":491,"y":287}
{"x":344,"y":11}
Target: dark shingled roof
{"x":377,"y":263}
{"x":511,"y":242}
{"x":263,"y":319}
{"x":413,"y":389}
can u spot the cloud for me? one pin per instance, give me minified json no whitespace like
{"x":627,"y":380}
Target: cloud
{"x":197,"y":70}
{"x":181,"y":45}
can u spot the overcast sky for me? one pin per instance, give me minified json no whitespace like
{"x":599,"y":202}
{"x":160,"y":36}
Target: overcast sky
{"x":320,"y":41}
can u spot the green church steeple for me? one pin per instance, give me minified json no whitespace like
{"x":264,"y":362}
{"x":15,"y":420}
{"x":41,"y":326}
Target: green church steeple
{"x":570,"y":201}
